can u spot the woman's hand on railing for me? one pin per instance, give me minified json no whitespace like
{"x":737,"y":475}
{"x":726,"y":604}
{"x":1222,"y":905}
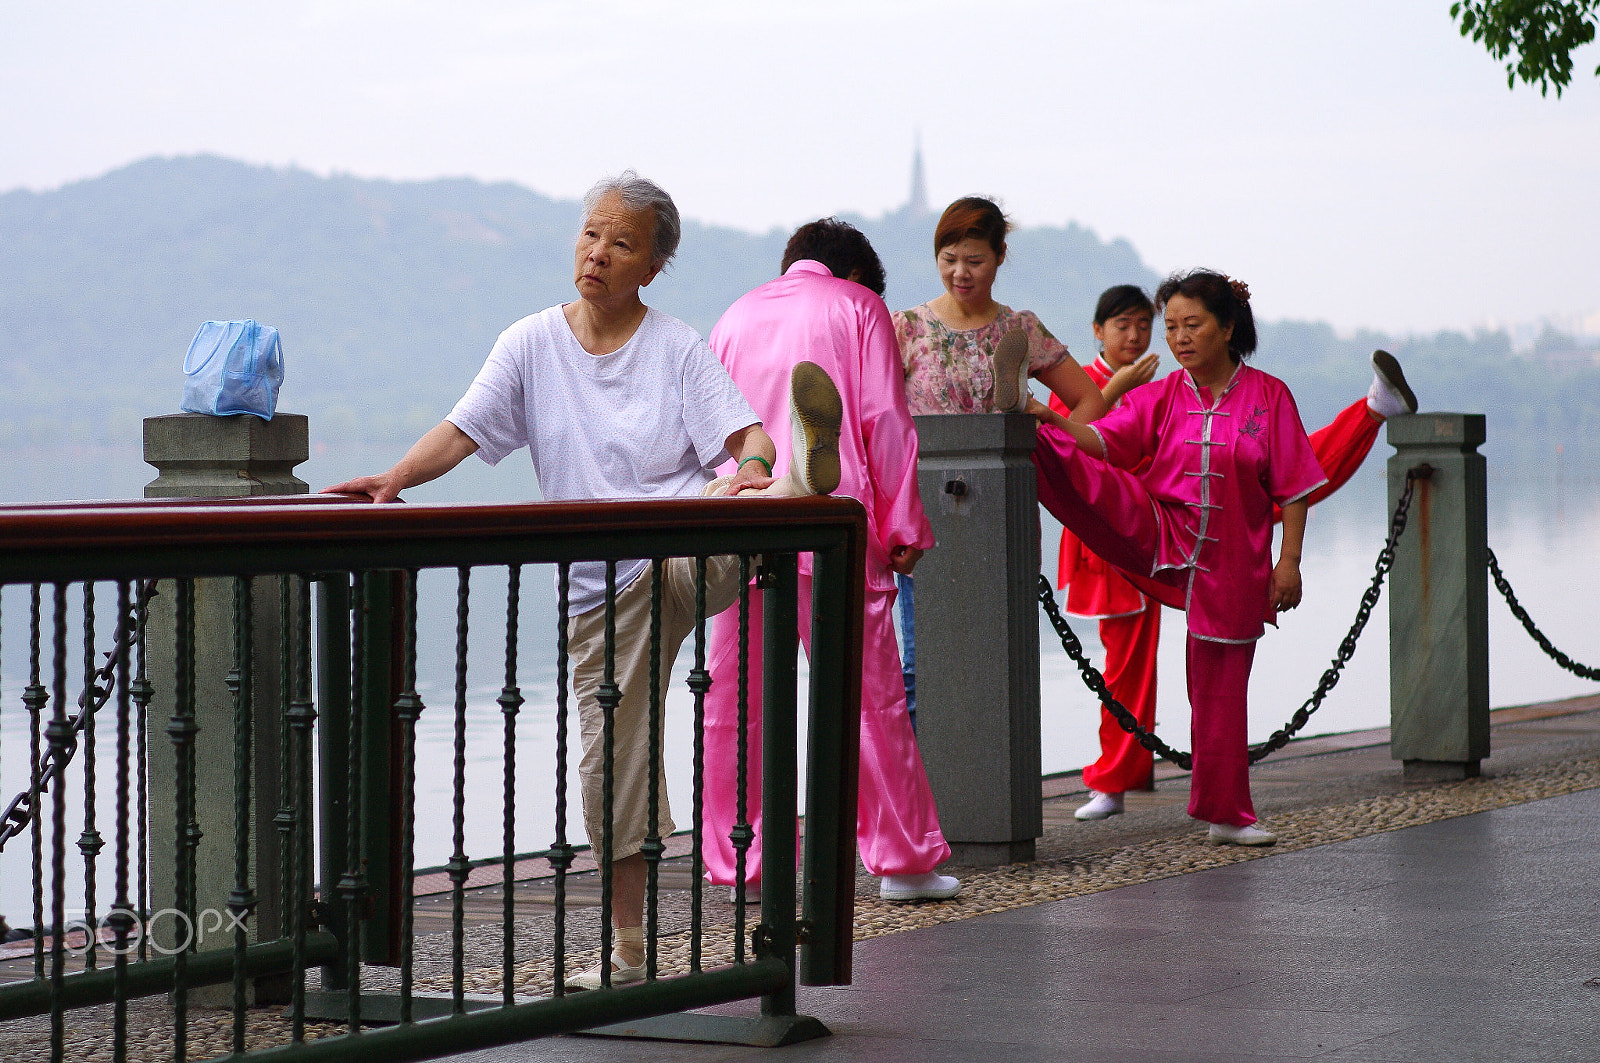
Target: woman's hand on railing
{"x":442,"y":449}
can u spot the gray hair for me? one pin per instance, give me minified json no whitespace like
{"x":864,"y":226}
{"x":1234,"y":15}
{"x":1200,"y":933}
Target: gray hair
{"x":641,"y":193}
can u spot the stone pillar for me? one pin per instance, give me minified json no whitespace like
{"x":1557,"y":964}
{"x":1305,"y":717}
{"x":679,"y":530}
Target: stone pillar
{"x":1439,"y":599}
{"x":202,"y":456}
{"x":977,"y":633}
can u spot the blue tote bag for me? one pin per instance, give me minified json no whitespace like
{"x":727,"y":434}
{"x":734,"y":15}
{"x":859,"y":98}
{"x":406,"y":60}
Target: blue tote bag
{"x":233,"y":367}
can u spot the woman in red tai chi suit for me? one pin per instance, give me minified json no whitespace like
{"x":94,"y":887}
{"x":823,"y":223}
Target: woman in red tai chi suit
{"x":1130,"y":621}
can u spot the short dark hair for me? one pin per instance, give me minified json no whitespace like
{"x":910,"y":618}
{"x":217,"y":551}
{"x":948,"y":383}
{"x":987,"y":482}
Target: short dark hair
{"x":972,"y":217}
{"x":841,"y":247}
{"x":1227,"y":299}
{"x":1121,"y":299}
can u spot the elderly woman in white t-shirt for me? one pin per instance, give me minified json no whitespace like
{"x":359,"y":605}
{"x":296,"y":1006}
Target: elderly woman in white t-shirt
{"x":613,"y":400}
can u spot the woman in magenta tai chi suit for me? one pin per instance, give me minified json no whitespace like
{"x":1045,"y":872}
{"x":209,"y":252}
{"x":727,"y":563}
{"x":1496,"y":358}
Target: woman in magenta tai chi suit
{"x":1224,"y":444}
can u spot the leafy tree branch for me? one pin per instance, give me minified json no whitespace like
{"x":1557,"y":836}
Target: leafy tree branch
{"x":1538,"y":36}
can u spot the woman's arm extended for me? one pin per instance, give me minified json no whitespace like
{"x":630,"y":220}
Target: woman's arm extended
{"x":1068,"y":380}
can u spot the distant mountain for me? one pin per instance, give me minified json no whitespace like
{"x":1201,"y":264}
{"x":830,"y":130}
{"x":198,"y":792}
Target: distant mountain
{"x":389,"y":294}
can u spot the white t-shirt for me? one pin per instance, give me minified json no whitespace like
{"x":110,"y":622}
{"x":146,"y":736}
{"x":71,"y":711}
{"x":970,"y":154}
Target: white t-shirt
{"x":648,"y":420}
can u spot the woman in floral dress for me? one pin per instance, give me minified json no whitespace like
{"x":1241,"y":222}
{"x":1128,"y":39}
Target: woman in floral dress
{"x":964,"y":352}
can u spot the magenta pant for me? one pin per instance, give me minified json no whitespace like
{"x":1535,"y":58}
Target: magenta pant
{"x":897,"y":825}
{"x":1219,"y":685}
{"x":1109,"y":509}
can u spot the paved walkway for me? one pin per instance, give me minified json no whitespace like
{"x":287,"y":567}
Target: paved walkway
{"x":1470,"y":938}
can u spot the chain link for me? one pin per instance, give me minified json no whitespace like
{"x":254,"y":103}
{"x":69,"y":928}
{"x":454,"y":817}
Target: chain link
{"x":1347,"y":648}
{"x":20,"y":812}
{"x":1504,"y":587}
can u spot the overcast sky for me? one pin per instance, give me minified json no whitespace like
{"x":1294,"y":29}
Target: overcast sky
{"x":1355,"y":161}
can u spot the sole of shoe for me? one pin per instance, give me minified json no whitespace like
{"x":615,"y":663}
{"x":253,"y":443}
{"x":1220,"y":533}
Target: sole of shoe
{"x":1388,"y":367}
{"x":1011,"y":372}
{"x":1265,"y":839}
{"x":819,"y":411}
{"x":1086,"y":815}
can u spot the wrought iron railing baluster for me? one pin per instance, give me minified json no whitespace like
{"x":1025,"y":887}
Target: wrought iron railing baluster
{"x":59,"y":736}
{"x":561,"y":851}
{"x":510,"y":702}
{"x":353,"y":884}
{"x":89,"y":840}
{"x":609,"y":697}
{"x":242,"y":899}
{"x":121,"y":919}
{"x":653,"y":848}
{"x":459,"y":866}
{"x":408,"y":706}
{"x":34,"y":698}
{"x":302,"y":719}
{"x":742,"y":834}
{"x":699,"y":684}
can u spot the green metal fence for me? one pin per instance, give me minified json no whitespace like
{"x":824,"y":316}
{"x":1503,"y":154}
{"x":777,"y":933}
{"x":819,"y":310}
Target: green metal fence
{"x":258,"y":693}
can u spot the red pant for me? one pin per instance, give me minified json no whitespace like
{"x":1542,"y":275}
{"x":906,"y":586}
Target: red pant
{"x":1130,"y":672}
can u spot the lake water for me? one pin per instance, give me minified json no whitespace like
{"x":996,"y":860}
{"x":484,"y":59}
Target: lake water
{"x":1544,"y":528}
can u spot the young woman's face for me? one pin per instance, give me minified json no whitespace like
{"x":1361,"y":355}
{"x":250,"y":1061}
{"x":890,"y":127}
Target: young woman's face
{"x":967,"y":271}
{"x":1197,"y":341}
{"x":1125,"y":337}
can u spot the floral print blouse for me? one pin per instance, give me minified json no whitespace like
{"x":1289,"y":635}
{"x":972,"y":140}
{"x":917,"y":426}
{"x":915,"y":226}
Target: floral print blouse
{"x":952,"y":370}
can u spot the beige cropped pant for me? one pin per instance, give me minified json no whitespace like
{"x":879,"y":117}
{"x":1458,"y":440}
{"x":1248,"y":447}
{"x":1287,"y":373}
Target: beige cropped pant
{"x":586,"y":643}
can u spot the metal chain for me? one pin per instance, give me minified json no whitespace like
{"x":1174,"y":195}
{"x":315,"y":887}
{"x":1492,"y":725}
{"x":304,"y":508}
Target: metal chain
{"x":1504,"y":587}
{"x":1097,"y":682}
{"x":1347,"y":648}
{"x":20,"y":812}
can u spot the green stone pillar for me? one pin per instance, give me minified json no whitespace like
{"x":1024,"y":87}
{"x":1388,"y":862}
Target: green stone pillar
{"x":1439,"y":599}
{"x":977,"y":633}
{"x":202,"y":456}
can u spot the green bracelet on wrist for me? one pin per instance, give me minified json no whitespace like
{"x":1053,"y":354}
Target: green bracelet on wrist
{"x":757,"y":457}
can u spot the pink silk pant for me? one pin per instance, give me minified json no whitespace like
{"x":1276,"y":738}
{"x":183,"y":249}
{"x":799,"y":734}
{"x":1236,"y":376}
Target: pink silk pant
{"x":1110,"y":510}
{"x":897,"y":825}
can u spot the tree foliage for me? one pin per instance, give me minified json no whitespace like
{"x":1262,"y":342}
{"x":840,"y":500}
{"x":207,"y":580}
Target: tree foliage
{"x":1536,"y":38}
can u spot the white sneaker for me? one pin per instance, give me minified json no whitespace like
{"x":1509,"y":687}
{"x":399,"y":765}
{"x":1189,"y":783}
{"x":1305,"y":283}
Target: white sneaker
{"x":621,"y":974}
{"x":1011,"y":372}
{"x":1389,"y":394}
{"x":752,"y":895}
{"x":929,"y":886}
{"x":1100,"y":806}
{"x":1227,"y":834}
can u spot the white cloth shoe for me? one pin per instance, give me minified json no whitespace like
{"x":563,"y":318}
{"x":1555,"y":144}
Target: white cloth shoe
{"x":1100,"y":806}
{"x":929,"y":886}
{"x":1227,"y":834}
{"x":1011,"y":372}
{"x":621,"y":974}
{"x":1389,"y":394}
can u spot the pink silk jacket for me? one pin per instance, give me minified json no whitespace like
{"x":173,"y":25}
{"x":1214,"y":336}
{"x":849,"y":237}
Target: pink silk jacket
{"x":808,"y":314}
